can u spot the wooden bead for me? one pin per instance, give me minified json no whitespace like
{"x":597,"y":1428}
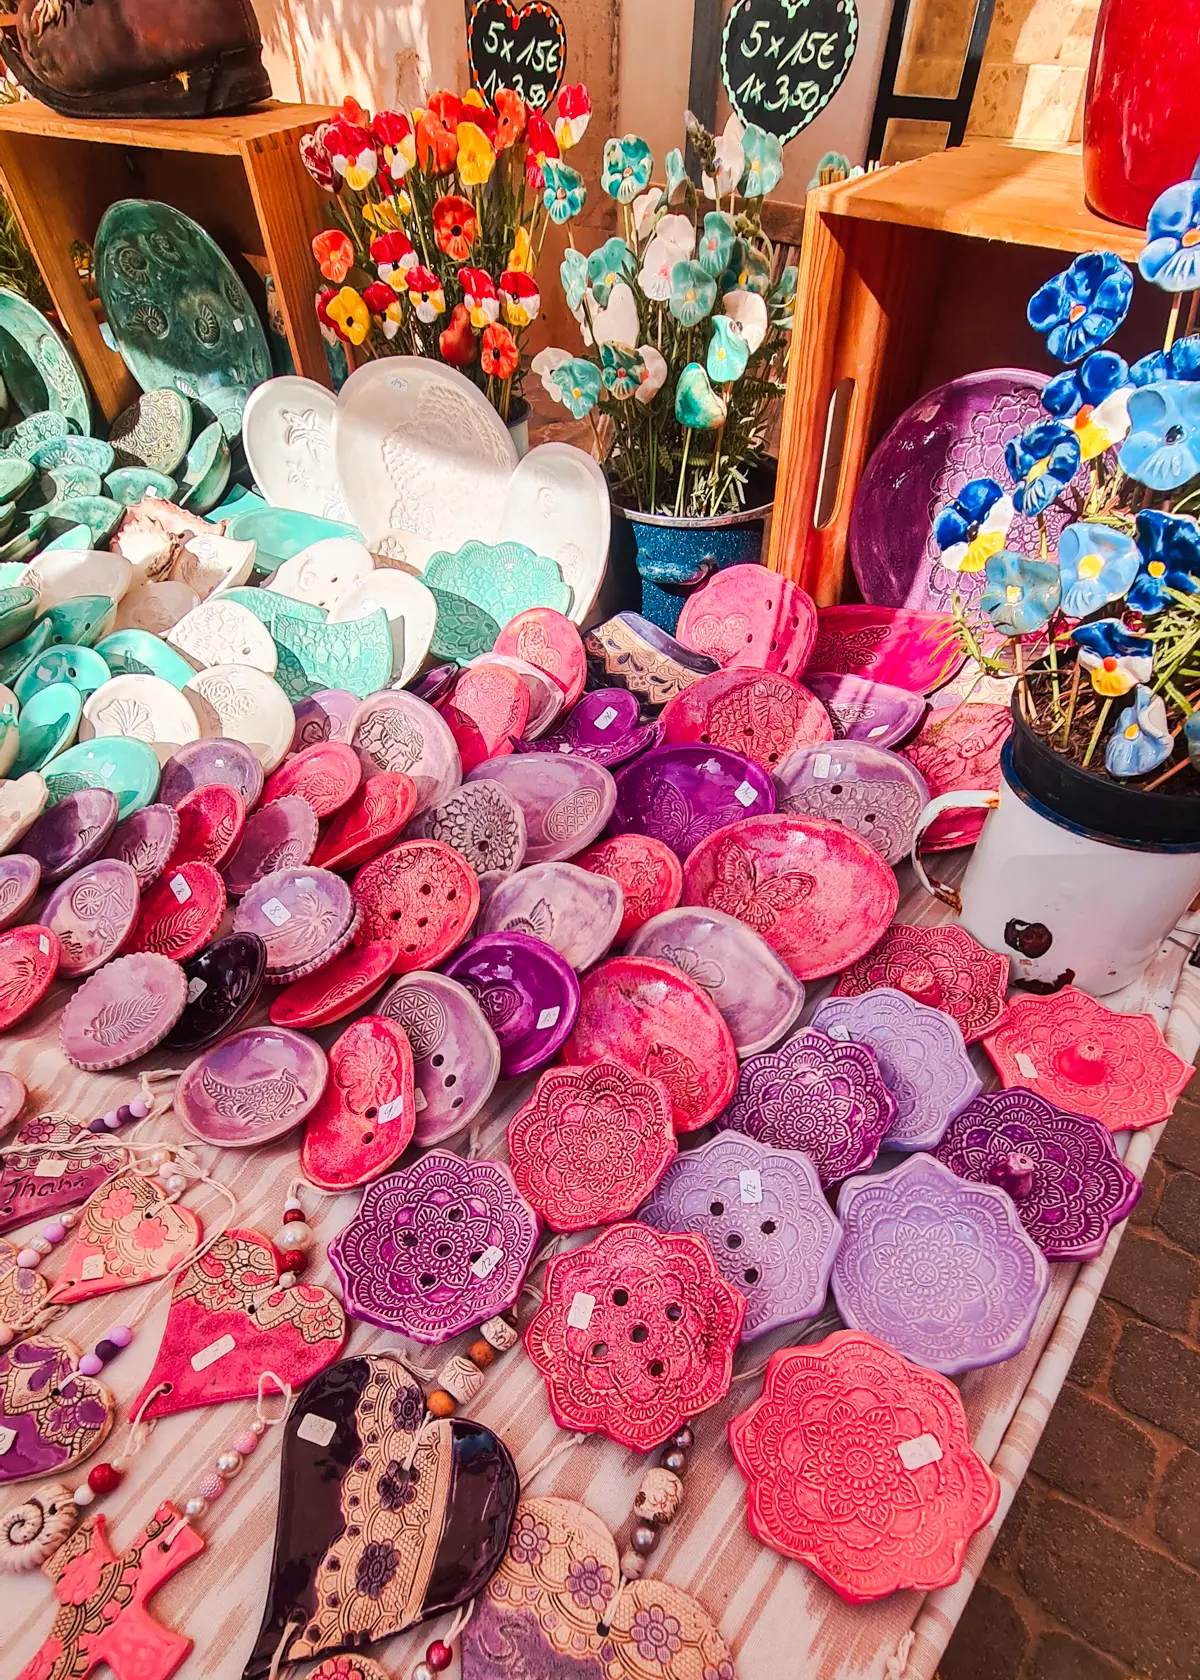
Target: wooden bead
{"x":481,"y":1353}
{"x":440,"y":1404}
{"x":658,"y":1496}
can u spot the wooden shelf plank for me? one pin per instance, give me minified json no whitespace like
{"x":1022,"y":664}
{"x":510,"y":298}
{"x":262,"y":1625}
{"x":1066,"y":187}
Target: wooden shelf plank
{"x":216,"y":135}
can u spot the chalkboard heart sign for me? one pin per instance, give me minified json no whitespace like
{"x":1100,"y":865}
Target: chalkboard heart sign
{"x":523,"y":48}
{"x":782,"y":61}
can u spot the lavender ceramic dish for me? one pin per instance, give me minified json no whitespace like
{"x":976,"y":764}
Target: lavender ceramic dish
{"x":680,"y":794}
{"x":145,"y":841}
{"x":92,"y":912}
{"x":301,"y":915}
{"x":604,"y":726}
{"x":217,"y":759}
{"x":566,"y":800}
{"x":72,"y":833}
{"x":456,"y":1055}
{"x":324,"y":716}
{"x":251,"y":1088}
{"x":19,"y":877}
{"x":528,"y":994}
{"x":868,"y":789}
{"x":574,"y":910}
{"x":122,"y":1011}
{"x":866,"y":711}
{"x":281,"y":835}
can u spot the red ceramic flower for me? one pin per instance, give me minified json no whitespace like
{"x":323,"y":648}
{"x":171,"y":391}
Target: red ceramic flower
{"x":437,"y":144}
{"x":353,"y":152}
{"x":383,"y":303}
{"x":479,"y":295}
{"x":393,"y":134}
{"x":393,"y":256}
{"x":334,"y":254}
{"x":511,"y":117}
{"x":455,"y":225}
{"x":315,"y":157}
{"x":520,"y":298}
{"x":498,"y":353}
{"x":352,"y":112}
{"x":425,"y":291}
{"x":329,"y":327}
{"x":861,"y":1465}
{"x":457,"y":342}
{"x":540,"y":144}
{"x":636,"y":1334}
{"x":447,"y":107}
{"x":574,"y":114}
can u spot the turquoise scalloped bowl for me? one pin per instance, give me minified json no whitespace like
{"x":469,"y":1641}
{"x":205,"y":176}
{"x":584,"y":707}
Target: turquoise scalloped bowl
{"x":483,"y":586}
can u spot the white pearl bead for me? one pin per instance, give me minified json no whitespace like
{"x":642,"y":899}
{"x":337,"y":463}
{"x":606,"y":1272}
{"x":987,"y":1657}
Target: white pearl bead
{"x":258,"y":1427}
{"x":195,"y":1506}
{"x":83,"y":1494}
{"x":287,"y":1279}
{"x":166,"y":1170}
{"x":70,"y":1220}
{"x":422,"y":1672}
{"x":157,"y":1156}
{"x":295,"y":1235}
{"x":176,"y":1184}
{"x":229,"y":1463}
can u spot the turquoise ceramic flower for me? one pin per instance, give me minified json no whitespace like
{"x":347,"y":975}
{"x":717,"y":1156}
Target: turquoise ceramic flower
{"x":564,"y":193}
{"x":626,"y":168}
{"x":716,"y":243}
{"x":579,"y":383}
{"x":1097,"y":564}
{"x":693,"y":293}
{"x":1114,"y":658}
{"x":1020,"y":593}
{"x":782,"y":296}
{"x":728,"y":352}
{"x":1171,"y":256}
{"x":573,"y":273}
{"x":1163,"y":446}
{"x":612,"y":262}
{"x":764,"y":162}
{"x":1142,"y":739}
{"x":676,"y":173}
{"x":1042,"y":462}
{"x":1191,"y":737}
{"x":622,"y":371}
{"x":748,"y":271}
{"x":696,"y":403}
{"x":1076,"y":311}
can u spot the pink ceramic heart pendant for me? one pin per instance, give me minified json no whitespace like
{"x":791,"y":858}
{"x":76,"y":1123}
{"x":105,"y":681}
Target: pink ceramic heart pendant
{"x":128,"y":1233}
{"x":51,"y":1417}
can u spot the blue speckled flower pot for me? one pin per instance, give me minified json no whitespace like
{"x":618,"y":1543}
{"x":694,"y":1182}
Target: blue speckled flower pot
{"x":673,"y":557}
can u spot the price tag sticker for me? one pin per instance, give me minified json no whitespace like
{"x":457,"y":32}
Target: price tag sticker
{"x":92,"y":1268}
{"x":1026,"y":1066}
{"x":820,"y":767}
{"x":745,"y":794}
{"x":180,"y":888}
{"x":214,"y":1351}
{"x":276,"y":913}
{"x":488,"y":1261}
{"x":43,"y":945}
{"x":419,"y":1103}
{"x":45,"y":673}
{"x":548,"y":1018}
{"x":838,"y":1031}
{"x":580,"y":1313}
{"x":750,"y":1185}
{"x":879,"y":729}
{"x":607,"y":717}
{"x":53,"y":1166}
{"x":317,"y":1429}
{"x":391,"y":1110}
{"x":238,"y":324}
{"x":921,"y":1450}
{"x":196,"y":987}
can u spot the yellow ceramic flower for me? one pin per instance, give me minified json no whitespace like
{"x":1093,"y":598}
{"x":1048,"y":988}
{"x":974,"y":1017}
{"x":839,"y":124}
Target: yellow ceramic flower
{"x":388,"y":213}
{"x":476,"y":159}
{"x":351,"y":314}
{"x":519,"y":256}
{"x":475,"y":98}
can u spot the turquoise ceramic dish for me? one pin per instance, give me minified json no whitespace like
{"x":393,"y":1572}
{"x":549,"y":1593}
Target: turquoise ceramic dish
{"x":205,"y":470}
{"x":282,"y":532}
{"x":82,"y":667}
{"x":481,"y":587}
{"x":37,"y":366}
{"x":76,"y":452}
{"x":138,"y":653}
{"x":128,"y":485}
{"x":82,"y":620}
{"x":18,"y":609}
{"x":15,"y":658}
{"x":47,"y":726}
{"x":126,"y":767}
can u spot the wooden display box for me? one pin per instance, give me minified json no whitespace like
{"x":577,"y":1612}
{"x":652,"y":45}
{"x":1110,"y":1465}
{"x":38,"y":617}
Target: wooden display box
{"x":240,"y":177}
{"x":908,"y":277}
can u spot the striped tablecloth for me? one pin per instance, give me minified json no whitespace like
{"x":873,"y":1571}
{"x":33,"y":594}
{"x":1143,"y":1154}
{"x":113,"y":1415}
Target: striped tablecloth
{"x":780,"y":1621}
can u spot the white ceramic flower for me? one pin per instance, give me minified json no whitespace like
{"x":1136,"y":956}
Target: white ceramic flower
{"x":615,"y":324}
{"x":642,"y":210}
{"x":673,"y":241}
{"x":748,"y":312}
{"x":730,"y":159}
{"x":656,"y":372}
{"x":544,"y":364}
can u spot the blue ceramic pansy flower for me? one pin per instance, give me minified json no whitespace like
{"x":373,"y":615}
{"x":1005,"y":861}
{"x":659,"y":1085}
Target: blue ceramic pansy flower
{"x":973,"y":526}
{"x":1097,"y":565}
{"x":728,"y":352}
{"x":1163,"y":446}
{"x":716,"y":242}
{"x":578,"y":381}
{"x":1077,"y":310}
{"x":1191,"y":737}
{"x":763,"y":153}
{"x":573,"y":274}
{"x":1042,"y":461}
{"x":564,"y":193}
{"x":693,"y":293}
{"x":611,"y":262}
{"x":1142,"y":738}
{"x":1169,"y":545}
{"x":1171,"y":256}
{"x":1114,"y":658}
{"x":626,"y":168}
{"x":1181,"y":361}
{"x":1021,"y":593}
{"x":676,"y":173}
{"x":1096,"y":377}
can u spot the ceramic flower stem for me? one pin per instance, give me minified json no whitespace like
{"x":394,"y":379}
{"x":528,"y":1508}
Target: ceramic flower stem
{"x":1095,"y":735}
{"x":1172,"y":321}
{"x":1071,"y":699}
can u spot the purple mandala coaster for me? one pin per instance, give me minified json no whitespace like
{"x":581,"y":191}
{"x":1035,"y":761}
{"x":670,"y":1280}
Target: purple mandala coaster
{"x":826,"y":1099}
{"x":604,"y":725}
{"x":437,"y":1248}
{"x":281,"y":835}
{"x":92,"y":912}
{"x":921,"y":1055}
{"x":145,"y":841}
{"x":301,"y":915}
{"x":764,"y":1215}
{"x":939,"y":1269}
{"x":19,"y":878}
{"x":1062,"y":1170}
{"x":72,"y":833}
{"x":866,"y":711}
{"x":875,"y":792}
{"x":200,"y":763}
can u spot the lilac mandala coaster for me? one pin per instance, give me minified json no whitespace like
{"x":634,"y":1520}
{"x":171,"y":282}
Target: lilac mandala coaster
{"x":72,"y":833}
{"x":281,"y":835}
{"x":253,"y":1087}
{"x":456,"y":1055}
{"x":681,"y":794}
{"x":200,"y":763}
{"x":826,"y":1099}
{"x":93,"y":913}
{"x":566,"y":800}
{"x":921,"y":1055}
{"x":122,"y":1011}
{"x":1062,"y":1170}
{"x":875,"y":792}
{"x":866,"y":711}
{"x":324,"y":716}
{"x":19,"y":878}
{"x":301,"y":915}
{"x":604,"y":725}
{"x":145,"y":841}
{"x":437,"y":1248}
{"x":528,"y":993}
{"x":937,"y":1268}
{"x":765,"y":1217}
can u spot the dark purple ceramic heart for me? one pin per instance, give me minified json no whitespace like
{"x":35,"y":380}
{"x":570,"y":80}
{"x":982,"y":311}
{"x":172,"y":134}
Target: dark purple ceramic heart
{"x":528,"y":993}
{"x":456,"y":1055}
{"x":866,"y":711}
{"x":72,"y":833}
{"x":875,"y":792}
{"x":252,"y":1087}
{"x":324,"y":716}
{"x":680,"y":794}
{"x":200,"y":763}
{"x":145,"y":841}
{"x":223,"y":985}
{"x":302,"y":916}
{"x":19,"y":877}
{"x":566,"y":800}
{"x":92,"y":912}
{"x":604,"y":725}
{"x":281,"y":835}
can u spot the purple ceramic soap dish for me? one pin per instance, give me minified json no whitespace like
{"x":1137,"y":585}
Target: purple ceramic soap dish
{"x":528,"y":994}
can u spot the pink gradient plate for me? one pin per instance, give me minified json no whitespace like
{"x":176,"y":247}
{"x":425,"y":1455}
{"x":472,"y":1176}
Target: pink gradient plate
{"x":281,"y":835}
{"x":748,"y":616}
{"x":894,"y":645}
{"x":551,"y":642}
{"x":396,"y":731}
{"x":255,"y":1086}
{"x":575,"y":910}
{"x":959,"y":748}
{"x":371,"y":820}
{"x":19,"y":878}
{"x":92,"y":912}
{"x":325,"y":774}
{"x":647,"y":871}
{"x":122,"y":1011}
{"x":760,"y":714}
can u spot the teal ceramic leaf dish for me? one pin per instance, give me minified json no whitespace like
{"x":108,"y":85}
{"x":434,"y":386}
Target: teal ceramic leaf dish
{"x":23,"y":438}
{"x":18,"y":609}
{"x":82,"y":667}
{"x":70,"y":478}
{"x":313,"y":654}
{"x":127,"y":767}
{"x":154,"y":431}
{"x":37,"y":367}
{"x":16,"y":474}
{"x":205,"y":471}
{"x":138,"y":653}
{"x":268,"y":606}
{"x":282,"y":532}
{"x":15,"y":658}
{"x":178,"y":312}
{"x":483,"y":586}
{"x":75,"y":452}
{"x":81,"y":621}
{"x":128,"y":485}
{"x":47,"y":725}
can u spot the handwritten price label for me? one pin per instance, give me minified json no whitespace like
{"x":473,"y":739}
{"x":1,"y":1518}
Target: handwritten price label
{"x":522,"y":48}
{"x":782,"y":61}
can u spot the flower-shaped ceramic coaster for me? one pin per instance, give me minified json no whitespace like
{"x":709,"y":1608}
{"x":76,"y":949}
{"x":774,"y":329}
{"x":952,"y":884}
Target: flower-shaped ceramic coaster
{"x":436,"y":1248}
{"x":324,"y":716}
{"x":1062,"y":1170}
{"x":1088,"y":1059}
{"x":647,"y":871}
{"x":748,"y":616}
{"x":222,"y":760}
{"x":763,"y":1214}
{"x":122,"y":1011}
{"x":29,"y":958}
{"x":959,"y":747}
{"x":921,"y":1056}
{"x":224,"y":982}
{"x":917,"y":651}
{"x":481,"y":586}
{"x":627,"y":651}
{"x":847,"y":1416}
{"x":482,"y":821}
{"x":302,"y":915}
{"x":650,"y":1016}
{"x":487,"y":711}
{"x":604,"y":725}
{"x":590,"y":1144}
{"x":180,"y":913}
{"x":221,"y":632}
{"x":566,"y":800}
{"x":550,"y":641}
{"x":757,"y":713}
{"x":866,"y":711}
{"x":376,"y":816}
{"x":681,"y":794}
{"x":211,"y":821}
{"x":242,"y":704}
{"x":876,"y":793}
{"x":72,"y":832}
{"x":822,"y":1098}
{"x":635,"y":1334}
{"x":19,"y":878}
{"x":943,"y":967}
{"x":817,"y":894}
{"x":528,"y":993}
{"x":92,"y":913}
{"x":145,"y":841}
{"x":396,"y":731}
{"x":420,"y":897}
{"x":574,"y":910}
{"x":758,"y":995}
{"x":364,"y":1120}
{"x":281,"y":835}
{"x":336,"y":989}
{"x":12,"y":1099}
{"x":545,"y":697}
{"x":326,"y":774}
{"x":936,"y":1267}
{"x":251,"y":1087}
{"x":456,"y":1055}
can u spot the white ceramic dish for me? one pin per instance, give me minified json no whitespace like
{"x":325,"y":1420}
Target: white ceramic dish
{"x":221,"y":632}
{"x":244,"y":705}
{"x":144,"y":708}
{"x":556,"y":503}
{"x":63,"y":573}
{"x":321,"y":573}
{"x":155,"y":606}
{"x":287,"y":430}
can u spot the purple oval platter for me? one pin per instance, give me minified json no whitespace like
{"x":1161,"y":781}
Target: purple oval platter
{"x":876,"y":793}
{"x":566,"y":800}
{"x":281,"y":835}
{"x":72,"y":833}
{"x":456,"y":1055}
{"x":92,"y":912}
{"x":324,"y":716}
{"x":604,"y":725}
{"x":528,"y":994}
{"x":681,"y":794}
{"x":224,"y":982}
{"x":304,"y":917}
{"x":251,"y":1088}
{"x":866,"y":711}
{"x":19,"y":878}
{"x":574,"y":910}
{"x":122,"y":1011}
{"x":200,"y":763}
{"x":145,"y":841}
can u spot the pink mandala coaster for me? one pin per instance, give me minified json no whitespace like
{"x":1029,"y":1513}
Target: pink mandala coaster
{"x":746,"y":615}
{"x":590,"y":1144}
{"x":436,"y":1248}
{"x":942,"y":967}
{"x":1086,"y":1058}
{"x":635,"y":1334}
{"x":861,"y":1466}
{"x":364,"y":1120}
{"x":959,"y":748}
{"x":760,"y":714}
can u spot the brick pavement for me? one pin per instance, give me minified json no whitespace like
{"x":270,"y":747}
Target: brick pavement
{"x":1096,"y":1572}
